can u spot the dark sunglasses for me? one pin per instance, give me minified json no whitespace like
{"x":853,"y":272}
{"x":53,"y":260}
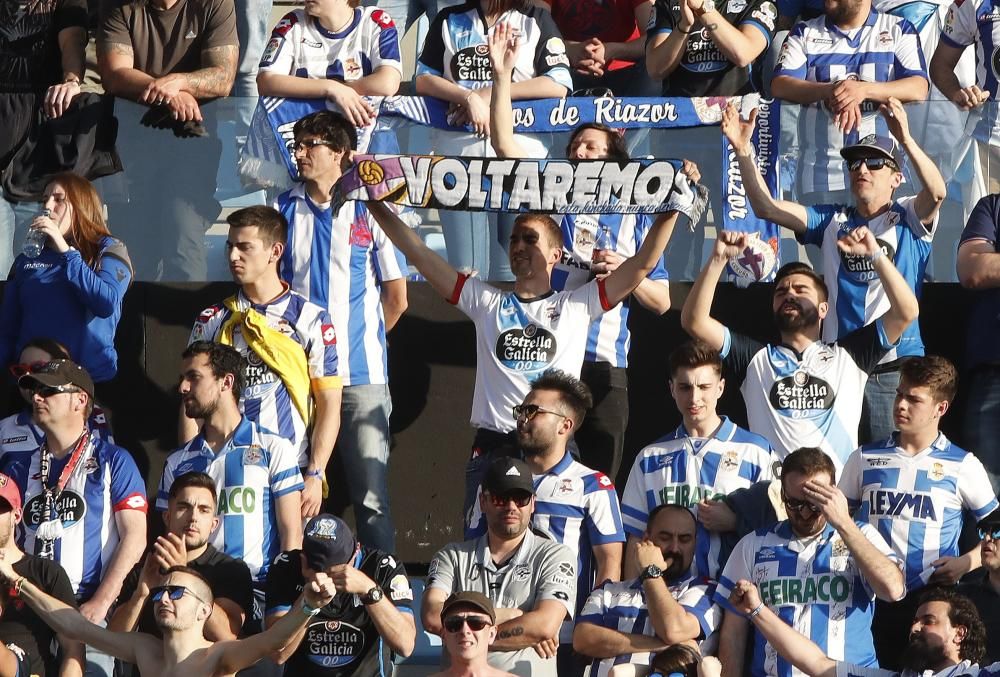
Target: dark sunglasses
{"x":526,"y":412}
{"x":796,"y":505}
{"x":19,"y":370}
{"x":992,"y":533}
{"x":48,"y":391}
{"x":174,"y":592}
{"x":872,"y":163}
{"x":520,"y":498}
{"x":476,"y":623}
{"x":309,"y":144}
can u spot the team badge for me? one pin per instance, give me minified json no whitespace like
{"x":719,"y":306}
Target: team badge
{"x":936,"y":472}
{"x":252,"y":455}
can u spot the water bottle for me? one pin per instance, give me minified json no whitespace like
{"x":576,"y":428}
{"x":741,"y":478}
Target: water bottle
{"x":34,"y":241}
{"x":602,"y":241}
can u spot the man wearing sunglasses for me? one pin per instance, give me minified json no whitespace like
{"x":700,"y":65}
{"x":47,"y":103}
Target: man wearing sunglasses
{"x":369,"y":618}
{"x":903,"y":227}
{"x":182,"y":604}
{"x":533,"y":577}
{"x":819,"y":570}
{"x":983,"y":587}
{"x":469,"y":622}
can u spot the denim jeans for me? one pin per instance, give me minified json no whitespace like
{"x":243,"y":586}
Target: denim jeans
{"x":253,"y":26}
{"x":876,"y":414}
{"x":99,"y":664}
{"x":982,"y":419}
{"x":14,"y":220}
{"x":363,"y":446}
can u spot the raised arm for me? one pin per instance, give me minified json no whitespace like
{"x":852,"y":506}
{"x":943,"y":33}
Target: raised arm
{"x":933,"y":191}
{"x":435,"y":269}
{"x":670,"y":620}
{"x":696,"y":316}
{"x":791,"y":215}
{"x":903,"y":305}
{"x":503,"y":56}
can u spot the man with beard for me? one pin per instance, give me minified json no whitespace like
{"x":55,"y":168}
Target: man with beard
{"x":946,"y":638}
{"x":183,"y":602}
{"x":983,"y":587}
{"x":803,"y":392}
{"x":190,"y":518}
{"x":661,"y":604}
{"x":904,"y":228}
{"x":578,"y":506}
{"x":818,"y":570}
{"x":532,"y":577}
{"x":255,"y":471}
{"x":25,"y":640}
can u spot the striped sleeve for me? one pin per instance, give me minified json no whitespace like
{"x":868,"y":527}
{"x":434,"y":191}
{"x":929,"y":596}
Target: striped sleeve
{"x":283,"y":466}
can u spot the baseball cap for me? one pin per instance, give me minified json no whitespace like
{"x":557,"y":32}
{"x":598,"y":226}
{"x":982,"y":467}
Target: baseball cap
{"x":873,"y":146}
{"x":990,"y":522}
{"x":474,"y":599}
{"x":327,"y":542}
{"x":507,"y":474}
{"x":9,"y":492}
{"x":59,"y":373}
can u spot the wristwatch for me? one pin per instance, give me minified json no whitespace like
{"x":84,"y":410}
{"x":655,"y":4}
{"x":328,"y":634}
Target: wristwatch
{"x":652,"y":571}
{"x":707,"y":6}
{"x":373,"y":596}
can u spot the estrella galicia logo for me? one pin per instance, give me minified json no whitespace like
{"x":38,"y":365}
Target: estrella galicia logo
{"x":532,"y":348}
{"x":860,"y":268}
{"x":70,"y":507}
{"x":472,"y":63}
{"x":801,"y":395}
{"x":333,"y":644}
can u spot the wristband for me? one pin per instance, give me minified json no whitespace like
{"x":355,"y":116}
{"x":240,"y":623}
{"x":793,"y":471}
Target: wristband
{"x":876,"y":256}
{"x":756,"y":612}
{"x":310,"y":611}
{"x":314,"y":473}
{"x":16,"y":590}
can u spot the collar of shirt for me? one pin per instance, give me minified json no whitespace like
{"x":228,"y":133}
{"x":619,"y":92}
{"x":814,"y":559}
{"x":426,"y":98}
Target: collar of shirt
{"x":242,"y":436}
{"x":484,"y":558}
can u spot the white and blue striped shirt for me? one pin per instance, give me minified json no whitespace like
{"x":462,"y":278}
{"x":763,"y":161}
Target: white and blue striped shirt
{"x":340,"y":264}
{"x":884,"y":49}
{"x":916,"y":502}
{"x":622,"y":606}
{"x":252,"y":470}
{"x":978,"y":22}
{"x":814,"y":585}
{"x":609,"y":337}
{"x":857,"y":296}
{"x":682,"y":470}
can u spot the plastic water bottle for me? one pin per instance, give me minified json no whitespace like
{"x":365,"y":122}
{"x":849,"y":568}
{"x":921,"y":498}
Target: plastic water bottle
{"x":602,"y":242}
{"x":34,"y":241}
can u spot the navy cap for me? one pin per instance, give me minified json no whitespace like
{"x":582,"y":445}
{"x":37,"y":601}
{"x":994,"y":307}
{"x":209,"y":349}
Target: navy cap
{"x":873,"y":146}
{"x":327,"y":542}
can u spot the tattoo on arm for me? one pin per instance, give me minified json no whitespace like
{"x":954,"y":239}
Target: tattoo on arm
{"x":218,"y":72}
{"x":116,"y":48}
{"x":516,"y":631}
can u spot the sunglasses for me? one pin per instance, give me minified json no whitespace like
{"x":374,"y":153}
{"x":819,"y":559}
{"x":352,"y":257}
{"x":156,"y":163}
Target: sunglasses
{"x":526,"y":412}
{"x":309,"y":144}
{"x":796,"y":505}
{"x":520,"y":498}
{"x":19,"y":370}
{"x":48,"y":391}
{"x":992,"y":533}
{"x":872,"y":163}
{"x":476,"y":623}
{"x":174,"y":592}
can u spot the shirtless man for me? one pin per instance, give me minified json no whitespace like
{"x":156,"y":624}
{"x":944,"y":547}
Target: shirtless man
{"x":181,"y":605}
{"x":469,"y":623}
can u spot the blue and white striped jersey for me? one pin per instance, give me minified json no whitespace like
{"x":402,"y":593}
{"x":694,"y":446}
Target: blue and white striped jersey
{"x":104,"y":482}
{"x":682,"y":470}
{"x":622,"y":606}
{"x":814,"y":585}
{"x":811,"y":399}
{"x":339,"y":264}
{"x":916,"y":502}
{"x":252,"y":470}
{"x":19,"y":433}
{"x":300,"y":46}
{"x":609,"y":337}
{"x":576,"y":506}
{"x":884,"y":49}
{"x":266,"y":400}
{"x":857,"y":296}
{"x":978,"y":22}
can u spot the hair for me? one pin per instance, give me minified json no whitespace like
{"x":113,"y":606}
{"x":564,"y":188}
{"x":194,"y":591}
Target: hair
{"x":548,"y":224}
{"x":329,"y":126}
{"x":617,"y":150}
{"x":271,"y":225}
{"x":694,"y":354}
{"x":88,"y":225}
{"x":807,"y":461}
{"x":224,"y":360}
{"x":500,"y":6}
{"x":573,"y":392}
{"x":933,"y":372}
{"x":961,"y":611}
{"x":799,"y":268}
{"x":680,"y":657}
{"x":195,"y":479}
{"x":56,"y":350}
{"x":207,"y":595}
{"x":663,"y":507}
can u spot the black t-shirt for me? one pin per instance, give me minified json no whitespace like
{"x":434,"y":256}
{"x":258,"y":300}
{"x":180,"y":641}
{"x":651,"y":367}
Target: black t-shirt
{"x":20,"y":626}
{"x":29,"y":45}
{"x":227,"y":577}
{"x":342,"y":638}
{"x":704,"y":70}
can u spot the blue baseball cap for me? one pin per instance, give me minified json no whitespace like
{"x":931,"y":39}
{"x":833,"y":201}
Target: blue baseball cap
{"x":327,"y":542}
{"x":873,"y":146}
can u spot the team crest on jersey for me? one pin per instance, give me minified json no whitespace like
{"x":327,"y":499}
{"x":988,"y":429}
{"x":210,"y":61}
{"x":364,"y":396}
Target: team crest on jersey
{"x":253,"y":455}
{"x":730,"y":461}
{"x":361,"y":234}
{"x":399,"y":588}
{"x":271,"y":52}
{"x":522,"y":572}
{"x":734,"y":6}
{"x":532,"y":348}
{"x":352,"y":70}
{"x":936,"y":472}
{"x":91,"y":465}
{"x":565,"y":487}
{"x":71,"y":509}
{"x":885,"y":38}
{"x":839,"y":548}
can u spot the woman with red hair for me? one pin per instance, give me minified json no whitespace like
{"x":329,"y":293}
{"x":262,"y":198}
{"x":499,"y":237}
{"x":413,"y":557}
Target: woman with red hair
{"x":73,"y":291}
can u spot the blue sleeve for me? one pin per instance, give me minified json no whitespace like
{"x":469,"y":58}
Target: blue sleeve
{"x":10,"y":318}
{"x":643,"y":224}
{"x":817,"y":218}
{"x":101,"y":292}
{"x":128,"y":490}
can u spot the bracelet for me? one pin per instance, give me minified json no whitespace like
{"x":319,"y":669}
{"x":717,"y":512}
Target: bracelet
{"x":16,"y":590}
{"x":314,"y":473}
{"x":681,"y":30}
{"x":756,"y":612}
{"x":310,"y":611}
{"x":876,"y":256}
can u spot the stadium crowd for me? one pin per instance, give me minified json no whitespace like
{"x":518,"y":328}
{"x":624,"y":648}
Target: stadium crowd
{"x":841,"y":534}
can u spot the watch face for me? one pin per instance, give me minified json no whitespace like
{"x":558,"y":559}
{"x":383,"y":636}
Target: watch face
{"x":374,"y":595}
